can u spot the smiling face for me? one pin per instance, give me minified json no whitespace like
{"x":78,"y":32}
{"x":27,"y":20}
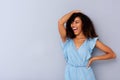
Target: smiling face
{"x":80,"y":25}
{"x":76,"y":26}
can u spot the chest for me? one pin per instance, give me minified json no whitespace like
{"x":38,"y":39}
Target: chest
{"x":72,"y":48}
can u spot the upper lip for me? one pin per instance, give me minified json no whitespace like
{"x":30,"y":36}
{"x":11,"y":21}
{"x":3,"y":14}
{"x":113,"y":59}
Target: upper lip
{"x":74,"y":28}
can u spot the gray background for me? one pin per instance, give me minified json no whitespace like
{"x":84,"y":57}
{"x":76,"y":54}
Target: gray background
{"x":30,"y":43}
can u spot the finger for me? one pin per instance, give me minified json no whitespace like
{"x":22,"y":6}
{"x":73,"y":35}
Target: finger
{"x":88,"y":65}
{"x":77,"y":11}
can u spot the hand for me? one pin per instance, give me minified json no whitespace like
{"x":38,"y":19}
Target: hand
{"x":75,"y":11}
{"x":90,"y":62}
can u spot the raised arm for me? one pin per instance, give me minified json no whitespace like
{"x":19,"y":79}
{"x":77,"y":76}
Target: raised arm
{"x":62,"y":21}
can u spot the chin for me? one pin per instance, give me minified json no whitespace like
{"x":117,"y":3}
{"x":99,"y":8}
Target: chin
{"x":76,"y":34}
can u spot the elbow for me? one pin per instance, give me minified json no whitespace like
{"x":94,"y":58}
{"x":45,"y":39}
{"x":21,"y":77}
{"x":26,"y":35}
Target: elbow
{"x":60,"y":22}
{"x":111,"y":55}
{"x":114,"y":56}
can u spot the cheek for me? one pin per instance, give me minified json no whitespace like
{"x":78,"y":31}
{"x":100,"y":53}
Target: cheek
{"x":79,"y":26}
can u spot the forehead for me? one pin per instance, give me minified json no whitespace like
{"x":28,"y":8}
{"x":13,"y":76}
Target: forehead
{"x":77,"y":19}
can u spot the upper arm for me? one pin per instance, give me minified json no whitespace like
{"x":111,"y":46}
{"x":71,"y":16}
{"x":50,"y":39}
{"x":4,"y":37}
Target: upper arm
{"x":103,"y":47}
{"x":62,"y":31}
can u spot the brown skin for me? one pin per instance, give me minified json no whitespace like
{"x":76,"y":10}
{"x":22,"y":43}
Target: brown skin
{"x":80,"y":38}
{"x":76,"y":26}
{"x":109,"y":54}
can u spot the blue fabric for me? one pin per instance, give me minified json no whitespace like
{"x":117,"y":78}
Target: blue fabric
{"x":77,"y":59}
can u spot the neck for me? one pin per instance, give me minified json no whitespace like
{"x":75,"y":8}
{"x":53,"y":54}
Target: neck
{"x":80,"y":36}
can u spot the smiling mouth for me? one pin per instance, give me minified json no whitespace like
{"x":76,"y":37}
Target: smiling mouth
{"x":75,"y":29}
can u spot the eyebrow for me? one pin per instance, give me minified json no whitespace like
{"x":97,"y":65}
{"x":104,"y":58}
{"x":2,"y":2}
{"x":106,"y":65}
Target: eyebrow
{"x":76,"y":20}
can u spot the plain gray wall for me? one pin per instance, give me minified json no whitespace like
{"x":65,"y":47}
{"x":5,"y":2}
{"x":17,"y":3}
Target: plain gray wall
{"x":29,"y":38}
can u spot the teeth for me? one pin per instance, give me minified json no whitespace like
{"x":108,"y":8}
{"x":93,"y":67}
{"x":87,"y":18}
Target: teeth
{"x":74,"y":28}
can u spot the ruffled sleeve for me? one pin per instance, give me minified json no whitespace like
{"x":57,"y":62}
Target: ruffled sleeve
{"x":63,"y":44}
{"x":92,"y":42}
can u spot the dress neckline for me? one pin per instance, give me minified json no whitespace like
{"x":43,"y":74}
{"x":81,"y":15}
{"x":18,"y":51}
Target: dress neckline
{"x":80,"y":45}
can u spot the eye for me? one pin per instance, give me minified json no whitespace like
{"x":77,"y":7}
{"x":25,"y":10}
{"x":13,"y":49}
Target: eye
{"x":76,"y":22}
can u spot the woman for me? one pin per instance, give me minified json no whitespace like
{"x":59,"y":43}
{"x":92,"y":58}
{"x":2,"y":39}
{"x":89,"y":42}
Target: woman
{"x":78,"y":41}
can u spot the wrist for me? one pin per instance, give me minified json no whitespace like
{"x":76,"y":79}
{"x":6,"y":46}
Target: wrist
{"x":74,"y":11}
{"x":94,"y":58}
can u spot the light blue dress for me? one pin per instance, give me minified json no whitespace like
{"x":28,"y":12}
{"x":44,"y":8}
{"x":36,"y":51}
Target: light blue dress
{"x":77,"y":59}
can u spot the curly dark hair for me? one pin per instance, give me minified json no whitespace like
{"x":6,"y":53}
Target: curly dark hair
{"x":87,"y":26}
